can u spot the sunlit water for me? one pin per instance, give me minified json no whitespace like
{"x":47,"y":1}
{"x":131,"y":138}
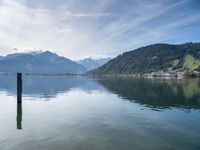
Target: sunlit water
{"x":79,"y":113}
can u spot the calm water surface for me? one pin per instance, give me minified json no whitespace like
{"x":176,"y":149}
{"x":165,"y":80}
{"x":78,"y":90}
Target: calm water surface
{"x":79,"y":113}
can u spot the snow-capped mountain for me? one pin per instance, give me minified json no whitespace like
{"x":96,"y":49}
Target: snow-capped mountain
{"x":39,"y":62}
{"x":93,"y":63}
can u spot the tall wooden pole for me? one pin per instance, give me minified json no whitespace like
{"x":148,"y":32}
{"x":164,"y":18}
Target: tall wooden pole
{"x":19,"y":101}
{"x":19,"y":87}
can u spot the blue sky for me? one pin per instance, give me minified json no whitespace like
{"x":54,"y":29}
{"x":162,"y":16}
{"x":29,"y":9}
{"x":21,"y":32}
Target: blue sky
{"x":95,"y":28}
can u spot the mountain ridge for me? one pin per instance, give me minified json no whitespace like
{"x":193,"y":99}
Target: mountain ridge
{"x":43,"y":62}
{"x":153,"y":58}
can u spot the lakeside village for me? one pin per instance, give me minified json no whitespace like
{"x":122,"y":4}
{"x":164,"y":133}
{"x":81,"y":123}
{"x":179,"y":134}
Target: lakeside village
{"x":151,"y":75}
{"x":170,"y":75}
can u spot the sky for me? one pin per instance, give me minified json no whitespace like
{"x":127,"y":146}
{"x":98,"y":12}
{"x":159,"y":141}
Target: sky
{"x":95,"y":28}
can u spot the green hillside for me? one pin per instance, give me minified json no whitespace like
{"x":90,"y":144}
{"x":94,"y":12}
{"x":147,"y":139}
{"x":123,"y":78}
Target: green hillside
{"x":191,"y":63}
{"x":153,"y":58}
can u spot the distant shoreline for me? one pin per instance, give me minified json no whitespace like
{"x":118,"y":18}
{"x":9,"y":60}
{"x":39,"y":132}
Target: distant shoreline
{"x":138,"y":76}
{"x":45,"y":74}
{"x":148,"y":76}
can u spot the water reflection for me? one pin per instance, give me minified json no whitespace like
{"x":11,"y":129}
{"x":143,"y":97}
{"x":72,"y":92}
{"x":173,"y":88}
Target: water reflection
{"x":19,"y":115}
{"x":106,"y":118}
{"x":48,"y":87}
{"x":157,"y":93}
{"x":151,"y":93}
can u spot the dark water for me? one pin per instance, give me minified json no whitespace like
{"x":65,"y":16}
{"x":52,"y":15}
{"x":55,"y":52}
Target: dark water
{"x":79,"y":113}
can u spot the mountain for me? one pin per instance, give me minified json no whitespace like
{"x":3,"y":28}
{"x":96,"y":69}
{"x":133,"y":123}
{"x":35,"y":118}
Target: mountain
{"x":39,"y":62}
{"x":153,"y":58}
{"x":90,"y":63}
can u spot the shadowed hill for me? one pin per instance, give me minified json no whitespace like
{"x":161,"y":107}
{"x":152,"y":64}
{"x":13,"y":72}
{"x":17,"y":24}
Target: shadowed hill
{"x":157,"y":57}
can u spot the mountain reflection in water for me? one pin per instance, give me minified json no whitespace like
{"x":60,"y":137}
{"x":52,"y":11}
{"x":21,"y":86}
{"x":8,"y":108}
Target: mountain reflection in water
{"x":157,"y":93}
{"x":151,"y":93}
{"x":47,"y":86}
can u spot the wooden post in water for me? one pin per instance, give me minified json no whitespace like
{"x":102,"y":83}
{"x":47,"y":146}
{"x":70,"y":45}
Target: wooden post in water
{"x":19,"y":87}
{"x":19,"y":101}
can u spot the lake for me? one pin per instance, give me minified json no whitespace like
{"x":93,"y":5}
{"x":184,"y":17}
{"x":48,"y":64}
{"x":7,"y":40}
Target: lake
{"x":82,"y":113}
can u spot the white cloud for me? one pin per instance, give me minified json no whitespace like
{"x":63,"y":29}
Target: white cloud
{"x":77,"y":30}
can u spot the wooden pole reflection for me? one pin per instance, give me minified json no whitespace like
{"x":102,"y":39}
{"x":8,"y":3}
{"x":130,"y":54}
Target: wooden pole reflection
{"x":19,"y":115}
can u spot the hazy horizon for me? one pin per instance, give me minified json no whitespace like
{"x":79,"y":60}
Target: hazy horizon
{"x":97,"y":57}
